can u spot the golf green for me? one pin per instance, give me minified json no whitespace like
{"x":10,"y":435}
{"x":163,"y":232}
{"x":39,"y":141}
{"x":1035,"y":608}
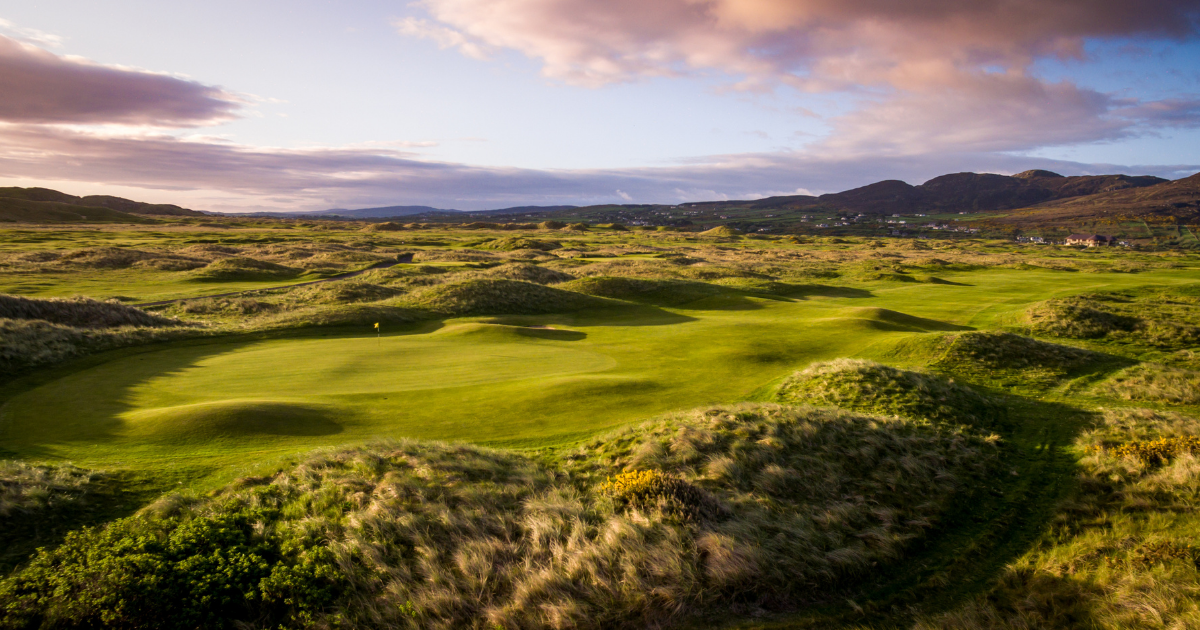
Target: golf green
{"x":518,"y":381}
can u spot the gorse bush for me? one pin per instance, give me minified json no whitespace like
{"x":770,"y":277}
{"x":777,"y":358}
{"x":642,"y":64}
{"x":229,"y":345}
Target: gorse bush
{"x":711,"y":510}
{"x":654,"y":489}
{"x":874,"y":388}
{"x":1160,"y":451}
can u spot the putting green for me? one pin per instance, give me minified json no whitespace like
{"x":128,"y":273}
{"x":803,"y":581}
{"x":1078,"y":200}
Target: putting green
{"x":227,"y":404}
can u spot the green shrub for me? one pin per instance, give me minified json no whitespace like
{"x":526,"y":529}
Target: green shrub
{"x":203,"y":571}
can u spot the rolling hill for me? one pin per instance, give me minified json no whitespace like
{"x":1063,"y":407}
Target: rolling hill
{"x":43,"y":205}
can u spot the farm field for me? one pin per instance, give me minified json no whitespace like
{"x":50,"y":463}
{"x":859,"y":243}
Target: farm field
{"x":555,"y":348}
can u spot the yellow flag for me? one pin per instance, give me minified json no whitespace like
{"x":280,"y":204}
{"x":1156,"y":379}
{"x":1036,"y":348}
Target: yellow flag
{"x":376,"y":325}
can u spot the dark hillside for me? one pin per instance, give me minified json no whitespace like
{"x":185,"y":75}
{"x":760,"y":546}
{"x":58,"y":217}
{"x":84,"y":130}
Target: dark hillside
{"x":1179,"y":199}
{"x":117,"y":204}
{"x":29,"y":211}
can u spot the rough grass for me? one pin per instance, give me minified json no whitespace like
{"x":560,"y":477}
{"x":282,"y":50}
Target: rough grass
{"x":342,"y":292}
{"x":242,"y":268}
{"x":1157,"y":319}
{"x":419,"y":535}
{"x":873,"y":388}
{"x":499,"y":297}
{"x":26,"y":344}
{"x":512,"y":243}
{"x":1010,"y":359}
{"x":1121,"y":552}
{"x":79,"y":312}
{"x":28,"y":488}
{"x":525,"y":273}
{"x":1153,"y":383}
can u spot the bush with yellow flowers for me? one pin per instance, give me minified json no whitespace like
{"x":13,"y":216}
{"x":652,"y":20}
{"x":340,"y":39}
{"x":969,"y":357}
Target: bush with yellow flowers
{"x":650,"y":489}
{"x":1160,"y":451}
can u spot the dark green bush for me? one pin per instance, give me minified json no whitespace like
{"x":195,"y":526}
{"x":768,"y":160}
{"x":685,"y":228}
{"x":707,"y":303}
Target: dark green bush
{"x":202,"y":572}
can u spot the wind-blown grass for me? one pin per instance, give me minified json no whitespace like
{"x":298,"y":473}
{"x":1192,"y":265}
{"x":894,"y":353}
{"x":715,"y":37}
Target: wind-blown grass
{"x":425,"y":535}
{"x":79,"y":312}
{"x":1154,"y":383}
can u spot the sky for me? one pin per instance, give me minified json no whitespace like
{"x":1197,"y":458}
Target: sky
{"x":479,"y":104}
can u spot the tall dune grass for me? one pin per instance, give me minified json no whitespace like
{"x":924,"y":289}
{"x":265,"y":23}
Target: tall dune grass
{"x":421,"y":535}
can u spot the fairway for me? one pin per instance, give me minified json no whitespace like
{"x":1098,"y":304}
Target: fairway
{"x":528,"y":381}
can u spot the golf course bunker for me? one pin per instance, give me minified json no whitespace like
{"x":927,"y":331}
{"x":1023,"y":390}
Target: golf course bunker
{"x":231,"y":419}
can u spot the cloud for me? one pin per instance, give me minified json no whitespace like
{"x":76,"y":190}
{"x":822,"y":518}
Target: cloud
{"x":444,"y":37}
{"x":41,"y":87}
{"x":30,"y":35}
{"x":256,"y":178}
{"x":927,"y":75}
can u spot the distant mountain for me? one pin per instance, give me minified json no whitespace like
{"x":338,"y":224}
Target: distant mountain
{"x":962,"y":192}
{"x":388,"y":212}
{"x":385,"y":212}
{"x":1179,"y":199}
{"x":35,"y":196}
{"x":524,"y":210}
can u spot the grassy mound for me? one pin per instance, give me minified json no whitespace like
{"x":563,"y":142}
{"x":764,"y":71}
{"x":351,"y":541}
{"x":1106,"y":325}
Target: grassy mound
{"x":874,"y":388}
{"x":1000,"y":356}
{"x":230,"y":419}
{"x":344,"y":292}
{"x":1161,"y":320}
{"x":728,"y":508}
{"x":1078,"y":318}
{"x":527,"y":273}
{"x":386,"y":226}
{"x":1154,"y":383}
{"x":576,"y":227}
{"x":499,"y":297}
{"x":721,"y":230}
{"x":244,"y":269}
{"x":79,"y":312}
{"x":513,"y":243}
{"x":644,"y":290}
{"x":887,"y":319}
{"x":551,"y":225}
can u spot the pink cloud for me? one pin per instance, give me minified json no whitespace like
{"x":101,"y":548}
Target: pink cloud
{"x":926,"y":74}
{"x":41,"y":87}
